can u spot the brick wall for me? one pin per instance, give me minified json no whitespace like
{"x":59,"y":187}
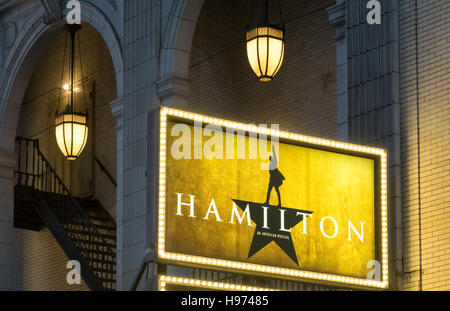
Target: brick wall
{"x":301,"y":98}
{"x":434,"y":122}
{"x":40,"y":262}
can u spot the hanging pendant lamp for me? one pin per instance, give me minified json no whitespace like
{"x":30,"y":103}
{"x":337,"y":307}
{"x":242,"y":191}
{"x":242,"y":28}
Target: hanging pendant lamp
{"x":265,"y":46}
{"x":71,"y":126}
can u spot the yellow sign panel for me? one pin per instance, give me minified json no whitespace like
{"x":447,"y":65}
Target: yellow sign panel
{"x":263,"y":201}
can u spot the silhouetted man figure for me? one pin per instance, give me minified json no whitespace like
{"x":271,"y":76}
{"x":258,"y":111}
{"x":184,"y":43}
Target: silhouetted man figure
{"x":276,"y":178}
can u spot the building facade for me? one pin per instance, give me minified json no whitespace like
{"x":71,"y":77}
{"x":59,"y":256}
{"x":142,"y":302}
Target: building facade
{"x":381,"y":85}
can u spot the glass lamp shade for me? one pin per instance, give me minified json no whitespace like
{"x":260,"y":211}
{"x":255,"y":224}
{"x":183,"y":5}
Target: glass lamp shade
{"x":71,"y":134}
{"x":265,"y":51}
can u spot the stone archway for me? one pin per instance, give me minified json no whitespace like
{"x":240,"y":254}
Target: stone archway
{"x":28,"y":49}
{"x":30,"y":44}
{"x":173,"y":85}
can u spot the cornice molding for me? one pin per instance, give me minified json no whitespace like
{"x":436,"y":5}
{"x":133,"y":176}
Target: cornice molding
{"x":174,"y":86}
{"x":337,"y":17}
{"x":53,"y":9}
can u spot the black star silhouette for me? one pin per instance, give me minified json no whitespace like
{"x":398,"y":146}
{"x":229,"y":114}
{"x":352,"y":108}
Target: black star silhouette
{"x":271,"y":232}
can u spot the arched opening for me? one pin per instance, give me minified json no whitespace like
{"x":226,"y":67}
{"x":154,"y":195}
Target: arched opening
{"x":90,"y":179}
{"x":204,"y":69}
{"x":40,"y":105}
{"x":301,"y":98}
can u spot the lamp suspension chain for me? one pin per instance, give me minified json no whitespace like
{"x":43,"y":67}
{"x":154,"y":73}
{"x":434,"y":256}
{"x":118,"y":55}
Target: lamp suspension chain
{"x":72,"y":58}
{"x":71,"y":125}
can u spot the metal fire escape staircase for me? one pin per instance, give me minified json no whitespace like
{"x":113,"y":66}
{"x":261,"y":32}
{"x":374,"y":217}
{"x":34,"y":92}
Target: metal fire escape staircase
{"x":82,"y":227}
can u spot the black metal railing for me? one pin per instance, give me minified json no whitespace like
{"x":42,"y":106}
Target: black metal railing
{"x":105,"y":171}
{"x":34,"y":170}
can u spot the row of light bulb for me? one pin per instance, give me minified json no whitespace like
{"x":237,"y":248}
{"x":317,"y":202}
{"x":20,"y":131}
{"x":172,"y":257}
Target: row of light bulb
{"x":164,"y":280}
{"x":267,"y":131}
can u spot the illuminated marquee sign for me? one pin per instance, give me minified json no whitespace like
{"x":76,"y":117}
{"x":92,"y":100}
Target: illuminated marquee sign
{"x":261,"y":201}
{"x":173,"y":283}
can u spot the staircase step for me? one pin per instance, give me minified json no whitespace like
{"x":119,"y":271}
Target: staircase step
{"x":103,"y":270}
{"x":105,"y":274}
{"x":101,"y":249}
{"x":100,"y":217}
{"x":105,"y":236}
{"x":95,"y":262}
{"x":106,"y":227}
{"x":109,"y":236}
{"x":97,"y":213}
{"x":101,"y":226}
{"x":99,"y":262}
{"x":104,"y":252}
{"x":103,"y":266}
{"x":101,"y":258}
{"x":91,"y":206}
{"x":101,"y":244}
{"x":105,"y":280}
